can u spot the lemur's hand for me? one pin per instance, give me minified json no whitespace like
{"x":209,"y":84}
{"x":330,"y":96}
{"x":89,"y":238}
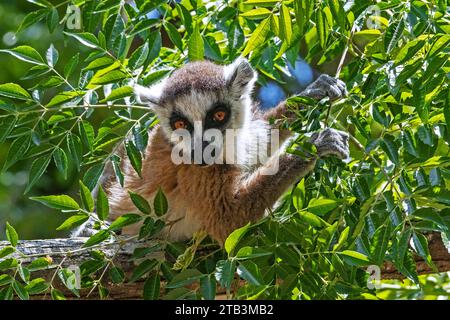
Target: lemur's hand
{"x":325,"y":86}
{"x":331,"y":142}
{"x":87,"y":229}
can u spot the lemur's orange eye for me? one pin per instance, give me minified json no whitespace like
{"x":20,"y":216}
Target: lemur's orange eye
{"x":219,"y":115}
{"x":180,"y":124}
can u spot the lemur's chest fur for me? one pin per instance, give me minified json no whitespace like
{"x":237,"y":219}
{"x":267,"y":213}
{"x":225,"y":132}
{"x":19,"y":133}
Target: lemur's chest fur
{"x":196,"y":194}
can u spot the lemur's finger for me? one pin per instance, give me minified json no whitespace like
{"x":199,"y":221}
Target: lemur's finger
{"x":313,"y":93}
{"x":341,"y":85}
{"x":334,"y":92}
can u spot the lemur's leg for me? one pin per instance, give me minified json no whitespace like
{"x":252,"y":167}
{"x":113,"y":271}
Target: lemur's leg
{"x":323,"y":86}
{"x":260,"y":190}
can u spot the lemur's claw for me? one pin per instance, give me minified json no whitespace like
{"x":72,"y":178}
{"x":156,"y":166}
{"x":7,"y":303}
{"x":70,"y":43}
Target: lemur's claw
{"x":331,"y":142}
{"x":325,"y":86}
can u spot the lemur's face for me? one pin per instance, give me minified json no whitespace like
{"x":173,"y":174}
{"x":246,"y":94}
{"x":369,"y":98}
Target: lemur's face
{"x":203,"y":101}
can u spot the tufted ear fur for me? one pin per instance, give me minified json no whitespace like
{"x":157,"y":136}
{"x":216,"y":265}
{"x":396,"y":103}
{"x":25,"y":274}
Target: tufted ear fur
{"x":239,"y":77}
{"x":149,"y":95}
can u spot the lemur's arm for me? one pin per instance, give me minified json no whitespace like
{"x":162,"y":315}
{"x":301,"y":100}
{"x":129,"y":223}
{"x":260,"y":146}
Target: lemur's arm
{"x":262,"y":188}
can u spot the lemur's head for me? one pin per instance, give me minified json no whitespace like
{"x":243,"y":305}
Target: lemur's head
{"x":202,"y":97}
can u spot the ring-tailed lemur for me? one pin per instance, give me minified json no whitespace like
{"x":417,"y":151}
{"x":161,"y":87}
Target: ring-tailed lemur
{"x":216,"y":198}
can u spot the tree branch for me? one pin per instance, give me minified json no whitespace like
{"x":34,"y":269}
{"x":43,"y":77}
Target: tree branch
{"x":73,"y":254}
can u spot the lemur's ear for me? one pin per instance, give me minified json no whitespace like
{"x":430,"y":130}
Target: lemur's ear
{"x":240,"y":77}
{"x":148,"y":95}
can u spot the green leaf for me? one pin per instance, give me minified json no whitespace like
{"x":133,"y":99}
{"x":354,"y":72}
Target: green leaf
{"x":32,"y":18}
{"x":174,"y":35}
{"x":52,"y":19}
{"x":75,"y":149}
{"x":379,"y":244}
{"x":62,"y":202}
{"x":5,"y":279}
{"x":258,"y":37}
{"x":147,"y":228}
{"x":86,"y":38}
{"x":109,"y":77}
{"x":11,"y":235}
{"x":408,"y":51}
{"x":98,"y":237}
{"x":322,"y":206}
{"x":160,"y":204}
{"x":152,"y":287}
{"x":184,"y":278}
{"x":249,"y":271}
{"x":233,"y":239}
{"x":87,"y":134}
{"x":20,"y":290}
{"x":86,"y":197}
{"x":12,"y":90}
{"x":6,"y":126}
{"x":143,"y":268}
{"x":69,"y":279}
{"x":388,"y":145}
{"x":102,"y":204}
{"x":98,"y":63}
{"x":64,"y":97}
{"x":6,"y":251}
{"x":409,"y":143}
{"x":425,"y":135}
{"x":321,"y":27}
{"x":17,"y":150}
{"x":92,"y":176}
{"x":312,"y":219}
{"x":60,"y":159}
{"x":119,"y":93}
{"x":8,"y":264}
{"x":39,"y":264}
{"x":25,"y":53}
{"x":37,"y":170}
{"x":256,"y":14}
{"x":41,"y":3}
{"x":52,"y":56}
{"x":156,"y":43}
{"x":245,"y":253}
{"x":117,"y":275}
{"x":115,"y":160}
{"x":262,"y":2}
{"x":57,"y":295}
{"x":139,"y":57}
{"x":179,"y":294}
{"x":342,"y":238}
{"x":73,"y":221}
{"x":430,"y":214}
{"x":140,"y":202}
{"x":285,"y":24}
{"x":355,"y":258}
{"x":124,"y":220}
{"x":195,"y":45}
{"x":37,"y":286}
{"x":403,"y":244}
{"x":393,"y":34}
{"x":69,"y":68}
{"x":224,"y":273}
{"x":208,"y":287}
{"x":421,"y":247}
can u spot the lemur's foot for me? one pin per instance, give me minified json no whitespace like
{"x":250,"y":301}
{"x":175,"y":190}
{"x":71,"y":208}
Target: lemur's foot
{"x":331,"y":142}
{"x":87,"y":229}
{"x":325,"y":86}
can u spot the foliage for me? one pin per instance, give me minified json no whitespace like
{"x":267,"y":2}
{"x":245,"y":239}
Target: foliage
{"x":331,"y":225}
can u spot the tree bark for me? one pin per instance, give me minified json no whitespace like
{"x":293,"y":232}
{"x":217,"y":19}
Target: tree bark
{"x":57,"y":249}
